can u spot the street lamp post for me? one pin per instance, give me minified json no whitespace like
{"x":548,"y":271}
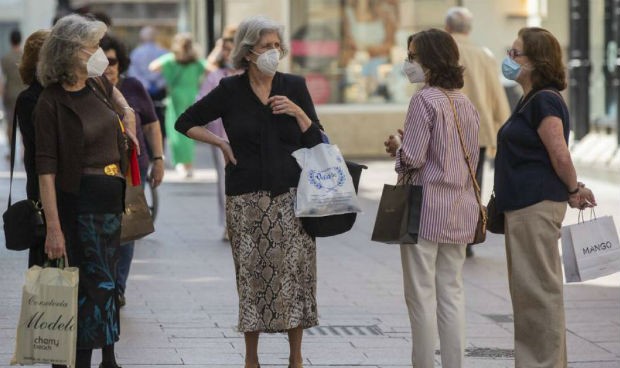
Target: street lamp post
{"x":579,"y":66}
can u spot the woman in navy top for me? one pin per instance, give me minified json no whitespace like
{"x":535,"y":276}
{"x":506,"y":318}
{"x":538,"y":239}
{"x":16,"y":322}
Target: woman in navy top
{"x":267,"y":115}
{"x":534,"y":180}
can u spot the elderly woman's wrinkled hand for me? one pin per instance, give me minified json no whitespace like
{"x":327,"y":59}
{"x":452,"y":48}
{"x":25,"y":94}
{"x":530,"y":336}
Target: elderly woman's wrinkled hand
{"x":393,"y":143}
{"x":584,"y":198}
{"x":55,"y":243}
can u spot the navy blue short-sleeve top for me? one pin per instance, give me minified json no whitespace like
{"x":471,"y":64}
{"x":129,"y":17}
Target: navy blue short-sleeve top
{"x":524,"y":174}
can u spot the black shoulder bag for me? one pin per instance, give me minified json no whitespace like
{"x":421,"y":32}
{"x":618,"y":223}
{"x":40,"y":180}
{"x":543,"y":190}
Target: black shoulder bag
{"x":24,"y":224}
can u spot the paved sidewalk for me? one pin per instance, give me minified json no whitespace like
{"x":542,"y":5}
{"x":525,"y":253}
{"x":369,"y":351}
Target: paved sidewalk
{"x":182,"y":303}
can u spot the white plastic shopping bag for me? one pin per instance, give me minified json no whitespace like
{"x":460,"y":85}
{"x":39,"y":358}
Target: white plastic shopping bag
{"x":47,"y":329}
{"x":590,"y":249}
{"x":325,"y":186}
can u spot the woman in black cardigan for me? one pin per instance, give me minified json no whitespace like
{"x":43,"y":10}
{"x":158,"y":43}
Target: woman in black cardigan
{"x":267,"y":115}
{"x":26,"y":101}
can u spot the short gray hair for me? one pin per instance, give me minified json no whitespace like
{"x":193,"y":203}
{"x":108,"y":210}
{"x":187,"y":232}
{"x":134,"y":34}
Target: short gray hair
{"x":249,"y":33}
{"x":58,"y":59}
{"x":459,"y":20}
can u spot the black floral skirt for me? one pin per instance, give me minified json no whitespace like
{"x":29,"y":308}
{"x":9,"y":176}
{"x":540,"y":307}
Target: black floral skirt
{"x":91,"y":223}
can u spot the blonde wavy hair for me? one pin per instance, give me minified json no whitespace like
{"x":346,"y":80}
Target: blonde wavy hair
{"x":183,"y":48}
{"x":59,"y":61}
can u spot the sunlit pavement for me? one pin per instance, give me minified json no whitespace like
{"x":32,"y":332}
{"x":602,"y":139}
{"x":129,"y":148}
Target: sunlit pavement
{"x":182,"y":303}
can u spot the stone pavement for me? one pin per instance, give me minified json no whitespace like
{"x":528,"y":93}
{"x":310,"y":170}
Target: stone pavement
{"x":182,"y":303}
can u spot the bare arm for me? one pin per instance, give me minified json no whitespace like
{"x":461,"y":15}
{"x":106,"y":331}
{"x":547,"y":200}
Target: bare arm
{"x":54,"y":238}
{"x":155,"y":65}
{"x":551,"y":134}
{"x":129,"y":117}
{"x":152,"y":133}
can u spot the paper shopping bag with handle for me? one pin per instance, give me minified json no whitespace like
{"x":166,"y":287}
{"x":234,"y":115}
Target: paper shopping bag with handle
{"x":398,"y":216}
{"x":47,"y":329}
{"x":590,"y":249}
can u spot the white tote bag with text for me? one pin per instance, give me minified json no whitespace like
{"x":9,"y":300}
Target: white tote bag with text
{"x":47,"y":329}
{"x":325,"y":185}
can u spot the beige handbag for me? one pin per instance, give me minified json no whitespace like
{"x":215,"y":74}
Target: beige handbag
{"x":137,"y":220}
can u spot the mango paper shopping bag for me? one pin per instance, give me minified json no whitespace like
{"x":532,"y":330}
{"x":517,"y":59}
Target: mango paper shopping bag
{"x":590,"y":249}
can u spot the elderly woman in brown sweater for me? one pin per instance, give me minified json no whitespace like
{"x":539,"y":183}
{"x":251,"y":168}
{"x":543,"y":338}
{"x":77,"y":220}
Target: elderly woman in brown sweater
{"x":80,"y":151}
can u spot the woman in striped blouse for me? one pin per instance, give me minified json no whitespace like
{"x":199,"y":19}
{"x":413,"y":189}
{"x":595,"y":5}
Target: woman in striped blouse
{"x":428,"y":153}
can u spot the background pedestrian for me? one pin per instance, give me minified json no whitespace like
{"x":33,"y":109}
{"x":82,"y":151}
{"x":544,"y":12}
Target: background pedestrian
{"x":183,"y":72}
{"x":481,"y":85}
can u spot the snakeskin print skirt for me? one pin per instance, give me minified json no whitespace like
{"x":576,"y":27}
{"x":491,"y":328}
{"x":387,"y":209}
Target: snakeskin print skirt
{"x":275,"y":263}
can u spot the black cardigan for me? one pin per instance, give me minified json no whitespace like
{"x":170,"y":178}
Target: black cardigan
{"x":24,"y":107}
{"x":261,"y":141}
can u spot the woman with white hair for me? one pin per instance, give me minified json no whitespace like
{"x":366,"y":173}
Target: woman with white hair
{"x":267,"y":115}
{"x":80,"y":158}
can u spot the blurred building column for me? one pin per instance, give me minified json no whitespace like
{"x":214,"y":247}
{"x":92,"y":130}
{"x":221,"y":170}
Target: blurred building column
{"x":579,"y":66}
{"x":611,"y":67}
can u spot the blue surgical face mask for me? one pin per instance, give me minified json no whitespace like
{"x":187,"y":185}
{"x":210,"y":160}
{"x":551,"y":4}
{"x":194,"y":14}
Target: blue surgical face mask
{"x":510,"y":68}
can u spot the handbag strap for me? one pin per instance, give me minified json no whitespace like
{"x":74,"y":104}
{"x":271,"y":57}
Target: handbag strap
{"x":467,"y":157}
{"x":13,"y":138}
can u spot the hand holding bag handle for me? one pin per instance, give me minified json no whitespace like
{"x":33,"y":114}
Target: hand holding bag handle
{"x":481,"y":226}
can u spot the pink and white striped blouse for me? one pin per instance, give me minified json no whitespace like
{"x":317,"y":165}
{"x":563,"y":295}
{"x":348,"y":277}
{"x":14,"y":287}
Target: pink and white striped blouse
{"x":432,"y":155}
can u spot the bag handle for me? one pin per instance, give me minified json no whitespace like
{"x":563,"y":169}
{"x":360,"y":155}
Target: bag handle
{"x":467,"y":157}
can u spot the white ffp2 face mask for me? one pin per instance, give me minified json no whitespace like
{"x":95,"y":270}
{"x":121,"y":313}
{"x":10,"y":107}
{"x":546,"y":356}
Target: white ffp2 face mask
{"x":414,"y":72}
{"x":97,"y":63}
{"x":268,"y":61}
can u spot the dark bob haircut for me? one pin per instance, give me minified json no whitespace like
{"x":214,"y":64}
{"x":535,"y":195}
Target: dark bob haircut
{"x":544,"y":52}
{"x":437,"y":52}
{"x":112,"y":43}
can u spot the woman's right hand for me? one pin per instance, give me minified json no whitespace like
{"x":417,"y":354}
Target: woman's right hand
{"x":584,"y":198}
{"x":55,"y":243}
{"x":229,"y":156}
{"x":393,"y":143}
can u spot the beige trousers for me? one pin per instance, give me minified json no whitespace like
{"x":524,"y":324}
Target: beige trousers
{"x":435,"y":301}
{"x":535,"y":280}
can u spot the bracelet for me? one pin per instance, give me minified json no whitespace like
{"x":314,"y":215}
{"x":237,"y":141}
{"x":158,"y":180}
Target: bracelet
{"x":571,"y":192}
{"x":129,"y":108}
{"x":157,"y":158}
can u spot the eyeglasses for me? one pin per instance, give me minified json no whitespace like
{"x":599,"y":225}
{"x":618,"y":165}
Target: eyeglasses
{"x":411,"y":56}
{"x":112,"y":61}
{"x":513,"y":53}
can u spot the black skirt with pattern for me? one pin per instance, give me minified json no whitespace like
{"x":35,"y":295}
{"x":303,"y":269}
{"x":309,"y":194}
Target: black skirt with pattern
{"x":91,"y":222}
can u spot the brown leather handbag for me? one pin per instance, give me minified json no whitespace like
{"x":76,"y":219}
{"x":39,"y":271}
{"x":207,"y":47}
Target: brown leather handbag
{"x":137,"y":220}
{"x":481,"y":225}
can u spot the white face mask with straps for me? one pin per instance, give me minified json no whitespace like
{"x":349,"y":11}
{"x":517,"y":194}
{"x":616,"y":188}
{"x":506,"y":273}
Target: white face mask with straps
{"x":268,"y":61}
{"x":414,"y":72}
{"x":97,"y":63}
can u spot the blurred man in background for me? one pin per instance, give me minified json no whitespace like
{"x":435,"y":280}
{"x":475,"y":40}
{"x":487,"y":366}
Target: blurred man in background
{"x":482,"y":85}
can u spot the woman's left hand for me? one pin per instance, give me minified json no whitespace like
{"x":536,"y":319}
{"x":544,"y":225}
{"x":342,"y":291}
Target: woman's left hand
{"x":282,"y":105}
